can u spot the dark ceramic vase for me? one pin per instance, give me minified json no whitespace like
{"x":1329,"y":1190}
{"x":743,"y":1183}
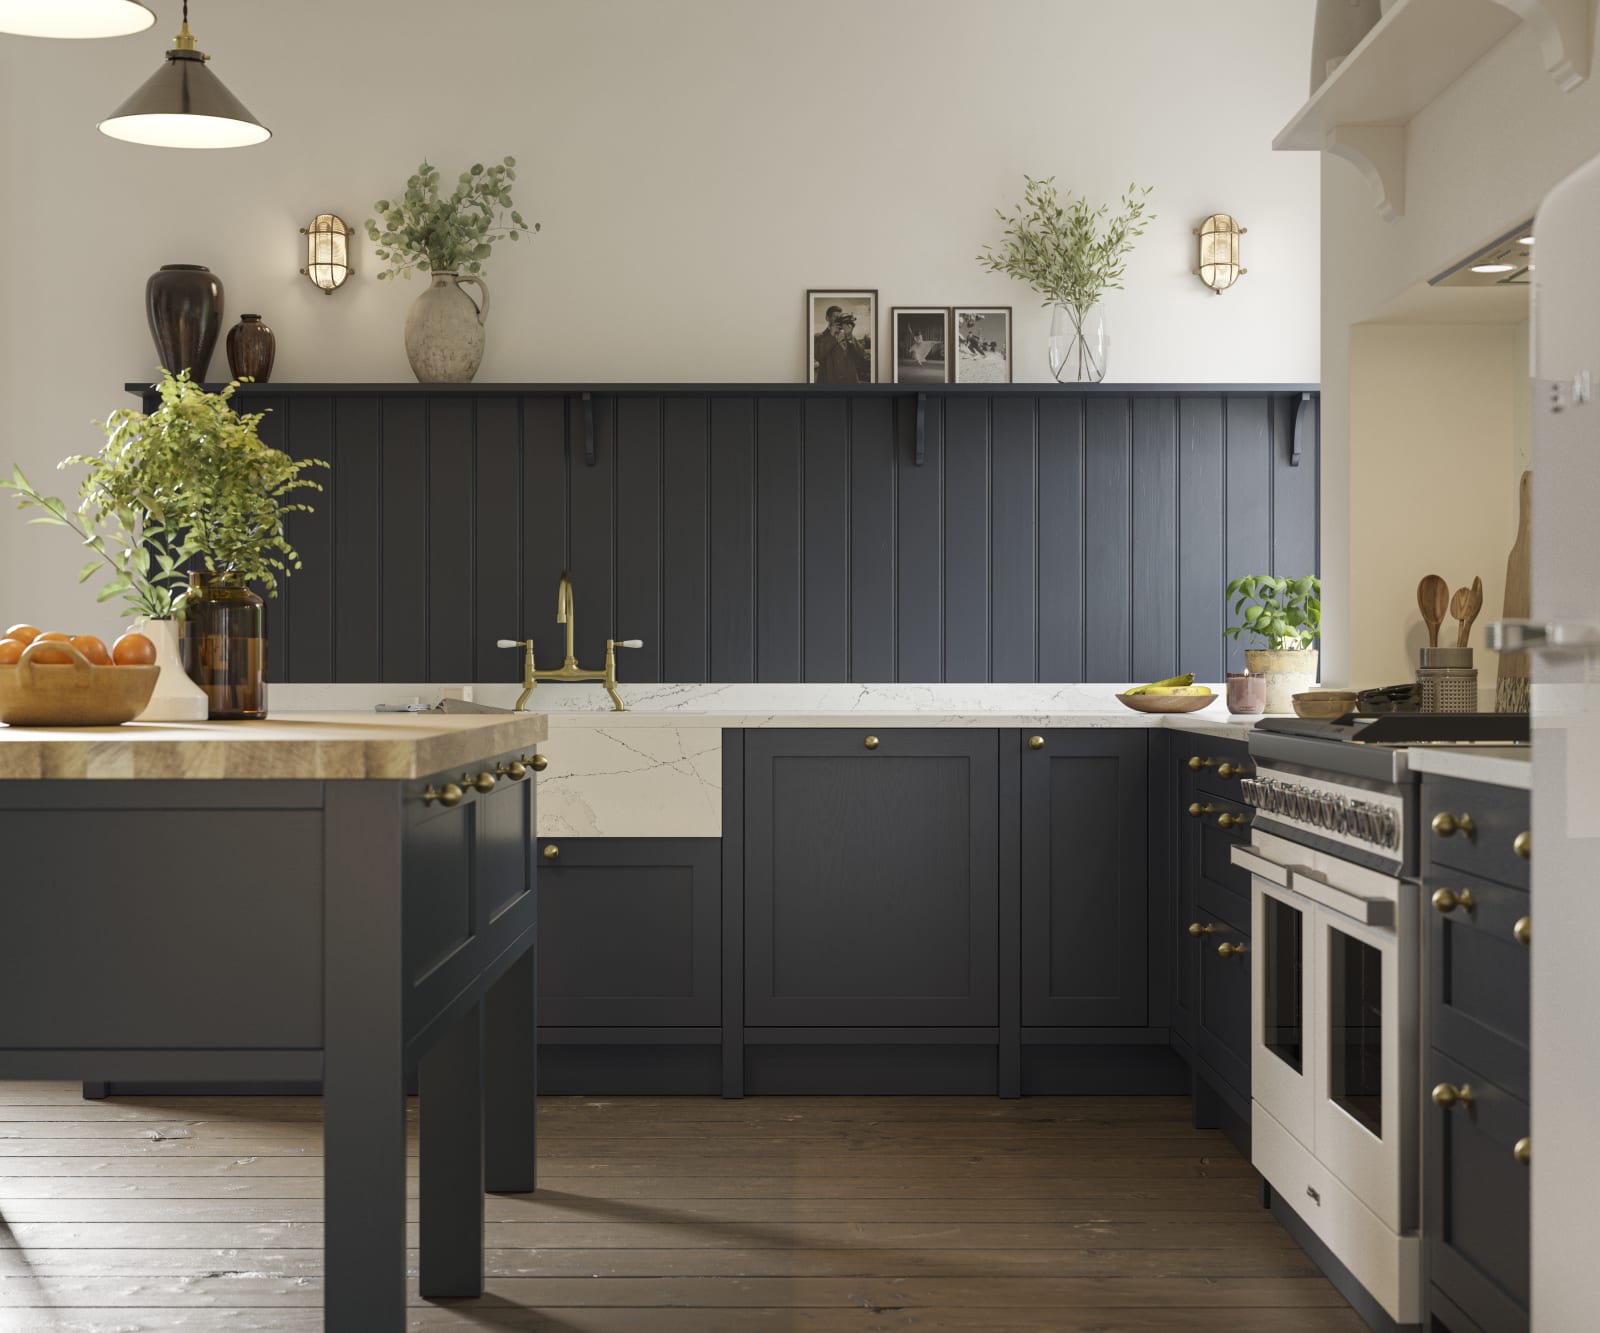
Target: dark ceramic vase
{"x":251,"y":347}
{"x":184,"y":305}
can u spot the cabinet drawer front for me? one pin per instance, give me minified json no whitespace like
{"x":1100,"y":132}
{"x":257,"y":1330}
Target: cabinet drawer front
{"x":1206,"y":849}
{"x":630,"y":932}
{"x":1478,"y":980}
{"x":1477,"y":1197}
{"x":1499,"y":815}
{"x":1223,"y":1021}
{"x":1221,"y":765}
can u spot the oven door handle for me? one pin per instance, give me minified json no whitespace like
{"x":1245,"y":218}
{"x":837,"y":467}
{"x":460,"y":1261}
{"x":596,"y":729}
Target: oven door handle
{"x":1310,"y":884}
{"x":1251,"y":859}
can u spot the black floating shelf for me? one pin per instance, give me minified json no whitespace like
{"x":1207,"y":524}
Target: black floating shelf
{"x":412,"y":389}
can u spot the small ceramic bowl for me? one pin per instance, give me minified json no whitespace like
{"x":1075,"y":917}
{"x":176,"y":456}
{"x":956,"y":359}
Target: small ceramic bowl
{"x":1167,"y":703}
{"x":1324,"y":703}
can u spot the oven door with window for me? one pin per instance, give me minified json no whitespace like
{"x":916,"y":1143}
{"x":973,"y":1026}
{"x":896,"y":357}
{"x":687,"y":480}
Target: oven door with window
{"x":1281,"y":1055}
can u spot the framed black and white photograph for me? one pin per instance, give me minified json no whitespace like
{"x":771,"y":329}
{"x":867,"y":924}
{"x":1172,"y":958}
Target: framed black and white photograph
{"x":843,"y":328}
{"x":982,"y":344}
{"x":920,"y":344}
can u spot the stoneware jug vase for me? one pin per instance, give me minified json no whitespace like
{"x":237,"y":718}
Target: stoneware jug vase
{"x":444,"y":330}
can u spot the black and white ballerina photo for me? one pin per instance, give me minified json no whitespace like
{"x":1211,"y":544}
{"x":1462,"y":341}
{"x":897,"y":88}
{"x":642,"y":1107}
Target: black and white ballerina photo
{"x":921,"y":344}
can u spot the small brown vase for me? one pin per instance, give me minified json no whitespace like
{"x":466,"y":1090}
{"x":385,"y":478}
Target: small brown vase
{"x":251,"y":348}
{"x":224,"y":645}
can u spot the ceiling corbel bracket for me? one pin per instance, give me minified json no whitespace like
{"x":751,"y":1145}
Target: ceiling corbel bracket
{"x":1564,"y":28}
{"x":1378,"y":152}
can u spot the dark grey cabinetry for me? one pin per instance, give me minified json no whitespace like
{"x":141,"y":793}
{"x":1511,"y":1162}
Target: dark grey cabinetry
{"x":1475,"y":1125}
{"x":871,"y":878}
{"x":1085,"y":898}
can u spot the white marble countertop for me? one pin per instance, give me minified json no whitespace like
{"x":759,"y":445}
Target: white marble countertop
{"x":1501,"y":765}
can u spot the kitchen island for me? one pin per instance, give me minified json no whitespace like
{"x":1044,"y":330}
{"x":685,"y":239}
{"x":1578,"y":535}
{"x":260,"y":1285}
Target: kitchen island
{"x":342,"y":898}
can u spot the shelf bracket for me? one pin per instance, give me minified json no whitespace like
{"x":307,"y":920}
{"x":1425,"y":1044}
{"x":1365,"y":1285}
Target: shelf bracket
{"x":1378,"y":152}
{"x":1302,"y":428}
{"x":922,"y":413}
{"x":1564,"y":31}
{"x":588,"y":429}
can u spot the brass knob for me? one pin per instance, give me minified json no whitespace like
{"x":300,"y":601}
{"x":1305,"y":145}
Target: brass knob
{"x":1036,"y":742}
{"x":516,"y":770}
{"x":1522,"y":932}
{"x":484,"y":782}
{"x":1227,"y":950}
{"x":871,"y":742}
{"x":538,"y":763}
{"x":1226,"y":821}
{"x":1522,"y":1150}
{"x":1445,"y":824}
{"x":1522,"y":844}
{"x":449,"y":794}
{"x":1230,"y":770}
{"x":1447,"y":900}
{"x":1197,"y":809}
{"x":1446,"y":1095}
{"x":551,"y":851}
{"x":1197,"y":930}
{"x":1196,"y":763}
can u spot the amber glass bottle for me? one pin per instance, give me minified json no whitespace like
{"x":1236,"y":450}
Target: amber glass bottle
{"x":224,"y":644}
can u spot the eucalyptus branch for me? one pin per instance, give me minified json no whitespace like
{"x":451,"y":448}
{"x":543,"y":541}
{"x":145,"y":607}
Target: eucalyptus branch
{"x":450,"y":234}
{"x":1061,"y":250}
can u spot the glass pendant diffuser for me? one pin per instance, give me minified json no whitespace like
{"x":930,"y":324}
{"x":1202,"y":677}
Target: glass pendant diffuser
{"x":327,"y":251}
{"x":1219,"y":252}
{"x":184,"y":105}
{"x":74,"y":18}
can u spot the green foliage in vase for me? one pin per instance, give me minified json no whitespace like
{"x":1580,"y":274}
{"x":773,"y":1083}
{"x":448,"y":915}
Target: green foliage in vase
{"x":1062,"y":250}
{"x":1283,"y":613}
{"x":446,"y":233}
{"x":190,"y":483}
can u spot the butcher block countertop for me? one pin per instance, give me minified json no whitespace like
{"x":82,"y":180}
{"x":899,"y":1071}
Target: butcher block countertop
{"x":285,"y":746}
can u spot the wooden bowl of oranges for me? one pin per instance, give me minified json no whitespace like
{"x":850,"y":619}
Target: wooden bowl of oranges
{"x":61,"y":680}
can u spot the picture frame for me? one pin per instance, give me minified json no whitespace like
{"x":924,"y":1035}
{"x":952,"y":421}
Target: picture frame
{"x":838,"y":351}
{"x":919,"y":344}
{"x":982,"y":335}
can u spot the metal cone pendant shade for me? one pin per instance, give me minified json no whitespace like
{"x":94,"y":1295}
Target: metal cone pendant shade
{"x":184,"y":105}
{"x":74,"y":18}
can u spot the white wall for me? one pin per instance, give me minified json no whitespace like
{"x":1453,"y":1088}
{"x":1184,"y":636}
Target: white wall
{"x":697,"y":164}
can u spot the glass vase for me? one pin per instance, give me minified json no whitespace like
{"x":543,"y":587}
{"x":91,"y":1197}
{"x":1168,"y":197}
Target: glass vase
{"x":1079,"y":344}
{"x":225,"y":646}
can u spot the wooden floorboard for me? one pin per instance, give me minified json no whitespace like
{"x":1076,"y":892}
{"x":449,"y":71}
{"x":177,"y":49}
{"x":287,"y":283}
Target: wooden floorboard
{"x":672,"y":1215}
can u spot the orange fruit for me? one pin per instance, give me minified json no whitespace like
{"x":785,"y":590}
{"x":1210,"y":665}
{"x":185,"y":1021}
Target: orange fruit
{"x":92,"y":647}
{"x":24,"y":634}
{"x":10,"y":651}
{"x":133,"y":650}
{"x":50,"y":656}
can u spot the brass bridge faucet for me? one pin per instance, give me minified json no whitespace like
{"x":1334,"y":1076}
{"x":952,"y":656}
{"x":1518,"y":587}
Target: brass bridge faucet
{"x":568,"y":670}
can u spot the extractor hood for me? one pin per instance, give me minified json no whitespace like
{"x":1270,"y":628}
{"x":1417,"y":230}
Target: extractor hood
{"x":1507,"y":261}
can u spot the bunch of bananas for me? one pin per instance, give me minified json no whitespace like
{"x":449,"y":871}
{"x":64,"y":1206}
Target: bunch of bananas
{"x":1183,"y":684}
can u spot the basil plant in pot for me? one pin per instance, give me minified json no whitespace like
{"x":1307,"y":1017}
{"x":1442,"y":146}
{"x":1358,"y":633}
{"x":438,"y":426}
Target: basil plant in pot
{"x":1071,"y":255}
{"x":1286,"y":615}
{"x":182,"y":511}
{"x":447,"y":236}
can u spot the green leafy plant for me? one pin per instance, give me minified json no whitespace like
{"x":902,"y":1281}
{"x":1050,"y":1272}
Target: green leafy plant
{"x":1283,"y":613}
{"x":451,"y":233}
{"x":1061,"y":250}
{"x":190,"y":483}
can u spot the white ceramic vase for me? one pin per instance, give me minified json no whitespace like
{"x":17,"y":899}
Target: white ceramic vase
{"x":177,"y":698}
{"x":1289,"y":671}
{"x":444,"y":330}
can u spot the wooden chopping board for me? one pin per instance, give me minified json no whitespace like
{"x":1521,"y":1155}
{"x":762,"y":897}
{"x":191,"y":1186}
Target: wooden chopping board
{"x":1511,"y":685}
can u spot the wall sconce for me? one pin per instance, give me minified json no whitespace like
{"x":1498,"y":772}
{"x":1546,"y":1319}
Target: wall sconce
{"x":1219,"y":252}
{"x":327,"y":251}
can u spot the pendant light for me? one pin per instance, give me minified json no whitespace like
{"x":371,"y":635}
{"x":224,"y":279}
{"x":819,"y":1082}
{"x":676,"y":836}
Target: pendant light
{"x":184,"y":105}
{"x":74,"y":18}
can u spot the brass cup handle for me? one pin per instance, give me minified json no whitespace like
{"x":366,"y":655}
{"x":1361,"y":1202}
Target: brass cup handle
{"x":538,"y":763}
{"x":1197,"y":930}
{"x":1036,"y":742}
{"x":871,"y":742}
{"x":551,"y":851}
{"x":484,"y":782}
{"x":1229,"y":950}
{"x":447,"y":795}
{"x":1523,"y":1151}
{"x":1447,"y":900}
{"x":1196,"y":763}
{"x":1522,"y":844}
{"x":1230,"y":770}
{"x":1446,"y":824}
{"x":1447,"y":1095}
{"x":1227,"y":821}
{"x":1522,"y":932}
{"x":516,"y":770}
{"x":1196,"y":810}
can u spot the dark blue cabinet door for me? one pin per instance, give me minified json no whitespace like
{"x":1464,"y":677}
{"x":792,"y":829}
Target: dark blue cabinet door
{"x":1085,"y":889}
{"x":871,"y":878}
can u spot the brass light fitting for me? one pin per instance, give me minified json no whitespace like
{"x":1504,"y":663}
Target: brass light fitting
{"x":569,"y":670}
{"x":1219,"y":252}
{"x":327,"y":252}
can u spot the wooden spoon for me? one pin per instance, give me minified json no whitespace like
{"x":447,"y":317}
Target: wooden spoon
{"x":1433,"y":599}
{"x":1458,"y":610}
{"x":1474,"y":605}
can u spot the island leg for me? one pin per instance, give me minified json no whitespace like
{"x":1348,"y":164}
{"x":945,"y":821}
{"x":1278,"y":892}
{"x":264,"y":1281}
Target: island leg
{"x":364,"y":1101}
{"x":450,"y":1204}
{"x":511,"y":1103}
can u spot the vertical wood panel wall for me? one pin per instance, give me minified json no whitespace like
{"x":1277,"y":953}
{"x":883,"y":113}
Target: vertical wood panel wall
{"x":786,"y":536}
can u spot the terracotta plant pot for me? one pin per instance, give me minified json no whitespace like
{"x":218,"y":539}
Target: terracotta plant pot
{"x":1289,"y":671}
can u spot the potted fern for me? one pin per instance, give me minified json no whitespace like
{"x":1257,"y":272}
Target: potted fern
{"x":1071,"y":255}
{"x":183,"y":510}
{"x":1286,"y":615}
